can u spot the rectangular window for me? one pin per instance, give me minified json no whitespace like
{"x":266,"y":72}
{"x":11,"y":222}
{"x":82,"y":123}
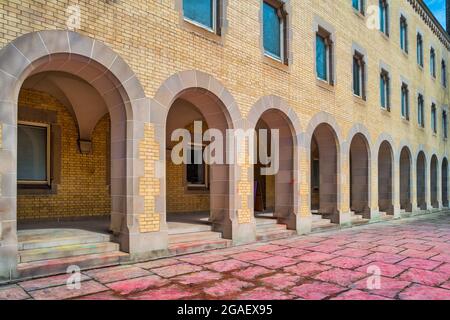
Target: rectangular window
{"x":324,"y":49}
{"x":358,"y":75}
{"x":201,"y":12}
{"x":33,"y":153}
{"x":274,"y":30}
{"x":444,"y":124}
{"x":405,"y":101}
{"x":358,"y":5}
{"x":419,"y":50}
{"x":433,"y":63}
{"x":384,"y":90}
{"x":420,"y":109}
{"x":384,"y":17}
{"x":196,"y":170}
{"x":403,"y":34}
{"x":443,"y":73}
{"x":433,"y":118}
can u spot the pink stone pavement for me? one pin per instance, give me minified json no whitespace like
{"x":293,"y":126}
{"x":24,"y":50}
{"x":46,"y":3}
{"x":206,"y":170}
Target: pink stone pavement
{"x":412,"y":257}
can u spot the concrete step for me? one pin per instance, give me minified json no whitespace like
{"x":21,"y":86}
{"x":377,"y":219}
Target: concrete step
{"x":273,"y":234}
{"x":266,"y":221}
{"x":194,"y":236}
{"x":37,"y":242}
{"x":321,"y":223}
{"x":198,"y":246}
{"x":270,"y":227}
{"x":56,"y":266}
{"x":66,"y":251}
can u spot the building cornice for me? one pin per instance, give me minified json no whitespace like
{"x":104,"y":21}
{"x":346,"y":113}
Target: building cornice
{"x":430,"y":20}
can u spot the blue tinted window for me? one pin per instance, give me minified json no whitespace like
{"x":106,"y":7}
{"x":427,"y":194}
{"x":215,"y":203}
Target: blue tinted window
{"x":356,"y":77}
{"x":200,"y":11}
{"x":31,"y":153}
{"x":271,"y":30}
{"x":321,"y":57}
{"x":383,"y":91}
{"x":355,"y":4}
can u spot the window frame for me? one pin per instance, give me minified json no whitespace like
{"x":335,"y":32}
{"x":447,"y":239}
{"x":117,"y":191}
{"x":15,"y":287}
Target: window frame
{"x":284,"y":45}
{"x":444,"y":73}
{"x":359,"y":58}
{"x":434,"y":118}
{"x":445,"y":124}
{"x":384,"y":76}
{"x":204,"y":186}
{"x":420,"y":54}
{"x":361,"y":7}
{"x":433,"y":62}
{"x":421,"y":110}
{"x":404,"y":101}
{"x":215,"y":18}
{"x":46,"y":182}
{"x":326,"y":36}
{"x":384,"y":12}
{"x":404,"y":24}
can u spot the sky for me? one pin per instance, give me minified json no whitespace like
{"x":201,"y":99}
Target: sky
{"x":438,"y":9}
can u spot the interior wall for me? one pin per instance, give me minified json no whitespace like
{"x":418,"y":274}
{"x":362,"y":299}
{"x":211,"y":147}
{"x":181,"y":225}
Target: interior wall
{"x":359,"y":175}
{"x":421,"y":182}
{"x":405,"y":180}
{"x":385,"y":178}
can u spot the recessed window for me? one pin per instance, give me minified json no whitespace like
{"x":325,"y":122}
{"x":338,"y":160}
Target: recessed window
{"x":433,"y":63}
{"x":444,"y":73}
{"x":358,"y":75}
{"x":324,"y":65}
{"x":420,"y":111}
{"x":403,"y":34}
{"x":385,"y":90}
{"x":33,"y":153}
{"x":201,"y":12}
{"x":384,"y":17}
{"x":274,"y":30}
{"x":420,"y":50}
{"x":196,"y":170}
{"x":433,"y":119}
{"x":405,"y":101}
{"x":444,"y":124}
{"x":358,"y":5}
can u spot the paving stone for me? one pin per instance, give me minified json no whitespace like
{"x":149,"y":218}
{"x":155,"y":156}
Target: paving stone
{"x":316,"y":257}
{"x":13,"y":292}
{"x":428,"y":278}
{"x":342,"y":277}
{"x":290,"y":253}
{"x":326,"y":248}
{"x":421,"y":292}
{"x":346,"y":262}
{"x":386,"y":269}
{"x":198,"y":277}
{"x":113,"y":274}
{"x":442,"y":257}
{"x":47,"y":282}
{"x":385,"y":257}
{"x":420,"y":263}
{"x":387,"y":249}
{"x":418,"y":254}
{"x":388,"y":287}
{"x":64,"y":292}
{"x":227,"y":265}
{"x":360,"y":245}
{"x":176,"y":270}
{"x":416,"y":246}
{"x":102,"y":296}
{"x":251,"y":273}
{"x":446,"y":285}
{"x":227,"y":287}
{"x":353,"y":253}
{"x":202,"y":259}
{"x":173,"y":292}
{"x":127,"y":287}
{"x":358,"y":295}
{"x":275,"y":262}
{"x":316,"y":290}
{"x":264,"y":294}
{"x":269,"y":248}
{"x":251,"y":256}
{"x":307,"y":269}
{"x":281,"y":281}
{"x":445,"y":268}
{"x":157,"y":263}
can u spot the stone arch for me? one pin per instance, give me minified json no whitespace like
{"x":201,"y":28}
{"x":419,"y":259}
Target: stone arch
{"x":199,"y":88}
{"x":421,"y":176}
{"x":118,"y":85}
{"x":405,"y":172}
{"x":386,"y":175}
{"x":434,"y":175}
{"x":444,"y":182}
{"x":273,"y":112}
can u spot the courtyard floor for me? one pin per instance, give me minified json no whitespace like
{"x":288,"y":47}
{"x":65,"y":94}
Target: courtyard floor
{"x":412,"y":257}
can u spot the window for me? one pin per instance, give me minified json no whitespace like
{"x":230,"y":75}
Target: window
{"x":33,"y":153}
{"x":443,"y":73}
{"x":405,"y":101}
{"x":196,"y":170}
{"x":358,"y":5}
{"x":433,"y":118}
{"x":420,"y":109}
{"x":444,"y":124}
{"x":419,"y":50}
{"x":403,"y":34}
{"x":274,"y":30}
{"x":384,"y":17}
{"x":324,"y":47}
{"x":202,"y":13}
{"x":358,"y":75}
{"x":385,"y":90}
{"x":433,"y":63}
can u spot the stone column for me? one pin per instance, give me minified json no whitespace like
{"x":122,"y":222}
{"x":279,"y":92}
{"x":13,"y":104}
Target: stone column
{"x":414,"y":206}
{"x":439,"y":185}
{"x":373,"y":190}
{"x":304,"y":220}
{"x":396,"y":188}
{"x":343,"y":188}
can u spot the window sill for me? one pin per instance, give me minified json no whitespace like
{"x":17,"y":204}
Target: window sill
{"x":201,"y":31}
{"x":36,"y":189}
{"x":386,"y":112}
{"x":324,"y":85}
{"x":420,"y":67}
{"x":359,"y":14}
{"x":196,"y":190}
{"x":405,"y":53}
{"x":421,"y":128}
{"x":406,"y":121}
{"x":359,"y":100}
{"x":384,"y":35}
{"x":275,"y":63}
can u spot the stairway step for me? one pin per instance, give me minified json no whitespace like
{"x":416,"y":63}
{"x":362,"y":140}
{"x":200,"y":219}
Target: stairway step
{"x":66,"y":251}
{"x":40,"y":243}
{"x":194,"y":236}
{"x":266,"y":221}
{"x":270,"y":227}
{"x":274,"y":235}
{"x":55,"y":266}
{"x":198,"y":246}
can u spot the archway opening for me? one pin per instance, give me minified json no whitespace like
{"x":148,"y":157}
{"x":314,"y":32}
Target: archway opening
{"x":444,"y":182}
{"x":385,"y":178}
{"x":197,"y":187}
{"x":421,"y":181}
{"x":405,"y":180}
{"x":434,"y":182}
{"x":359,"y":175}
{"x":324,"y":166}
{"x":274,"y":191}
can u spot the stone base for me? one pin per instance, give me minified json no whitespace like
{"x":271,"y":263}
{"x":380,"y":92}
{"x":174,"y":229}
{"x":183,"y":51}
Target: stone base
{"x":304,"y":224}
{"x":243,"y":233}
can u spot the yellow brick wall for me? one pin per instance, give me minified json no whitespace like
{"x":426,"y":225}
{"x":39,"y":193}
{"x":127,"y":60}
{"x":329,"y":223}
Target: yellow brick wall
{"x":84,"y":187}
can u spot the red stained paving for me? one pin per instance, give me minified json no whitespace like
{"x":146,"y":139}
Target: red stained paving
{"x":411,"y":255}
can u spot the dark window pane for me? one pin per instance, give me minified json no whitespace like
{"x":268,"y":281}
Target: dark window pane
{"x":195,"y":173}
{"x":200,"y":11}
{"x":271,"y":30}
{"x":321,"y":58}
{"x":31,"y":153}
{"x":356,"y":77}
